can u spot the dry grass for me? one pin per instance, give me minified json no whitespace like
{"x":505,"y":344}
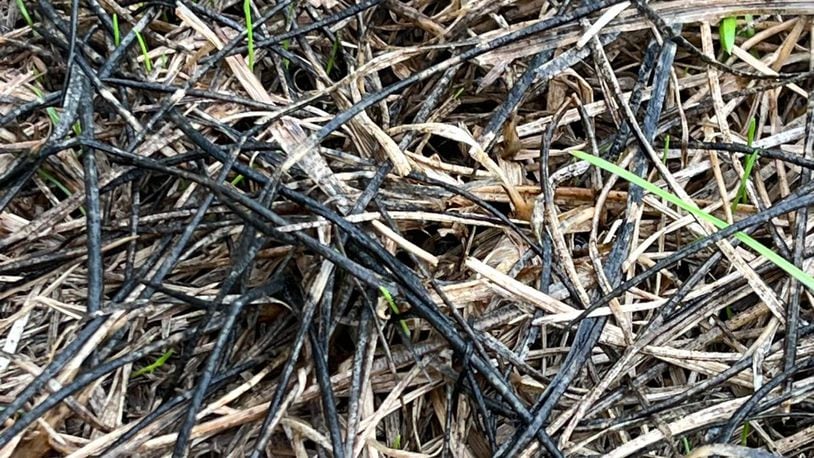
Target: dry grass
{"x":192,"y":252}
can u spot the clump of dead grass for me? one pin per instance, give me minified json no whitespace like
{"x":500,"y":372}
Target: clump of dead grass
{"x":359,"y":228}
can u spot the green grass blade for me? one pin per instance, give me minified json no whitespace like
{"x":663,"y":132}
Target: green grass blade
{"x":287,"y":42}
{"x":148,"y":63}
{"x":750,"y":133}
{"x":686,"y":443}
{"x":150,"y":368}
{"x":286,"y":45}
{"x":58,"y":184}
{"x":52,"y":179}
{"x":762,"y":250}
{"x":750,"y":26}
{"x":666,"y":148}
{"x":24,"y":12}
{"x":394,"y":308}
{"x":745,"y":433}
{"x":726,"y":33}
{"x":247,"y":12}
{"x":163,"y":60}
{"x":52,"y":113}
{"x":117,"y":36}
{"x":332,"y":57}
{"x":747,"y":168}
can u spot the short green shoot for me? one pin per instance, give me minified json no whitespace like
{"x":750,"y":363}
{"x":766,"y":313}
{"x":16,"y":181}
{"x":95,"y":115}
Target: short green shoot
{"x":52,"y":179}
{"x":394,"y":308}
{"x":54,"y":117}
{"x":726,"y":33}
{"x":150,"y":368}
{"x":52,"y":112}
{"x":148,"y":63}
{"x":247,"y":12}
{"x":761,"y":249}
{"x":286,"y":45}
{"x":749,"y":31}
{"x":605,"y":147}
{"x":397,"y":442}
{"x":686,"y":443}
{"x":332,"y":57}
{"x":24,"y":12}
{"x":238,"y":179}
{"x":117,"y":36}
{"x":289,"y":20}
{"x":666,"y":148}
{"x":745,"y":433}
{"x":163,"y":61}
{"x":57,"y":184}
{"x":747,"y":168}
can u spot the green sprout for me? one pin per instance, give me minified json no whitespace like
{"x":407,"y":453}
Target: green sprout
{"x":747,"y":429}
{"x":24,"y":11}
{"x":726,"y":33}
{"x":57,"y":184}
{"x":666,"y":148}
{"x":148,"y":63}
{"x":117,"y":37}
{"x":286,"y":45}
{"x":761,"y":249}
{"x":747,"y":168}
{"x":686,"y":443}
{"x":150,"y":368}
{"x":287,"y":42}
{"x":52,"y":112}
{"x":239,"y":178}
{"x":247,"y":12}
{"x":389,"y":298}
{"x":54,"y":117}
{"x":332,"y":57}
{"x":163,"y":60}
{"x":749,"y":31}
{"x":397,"y":442}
